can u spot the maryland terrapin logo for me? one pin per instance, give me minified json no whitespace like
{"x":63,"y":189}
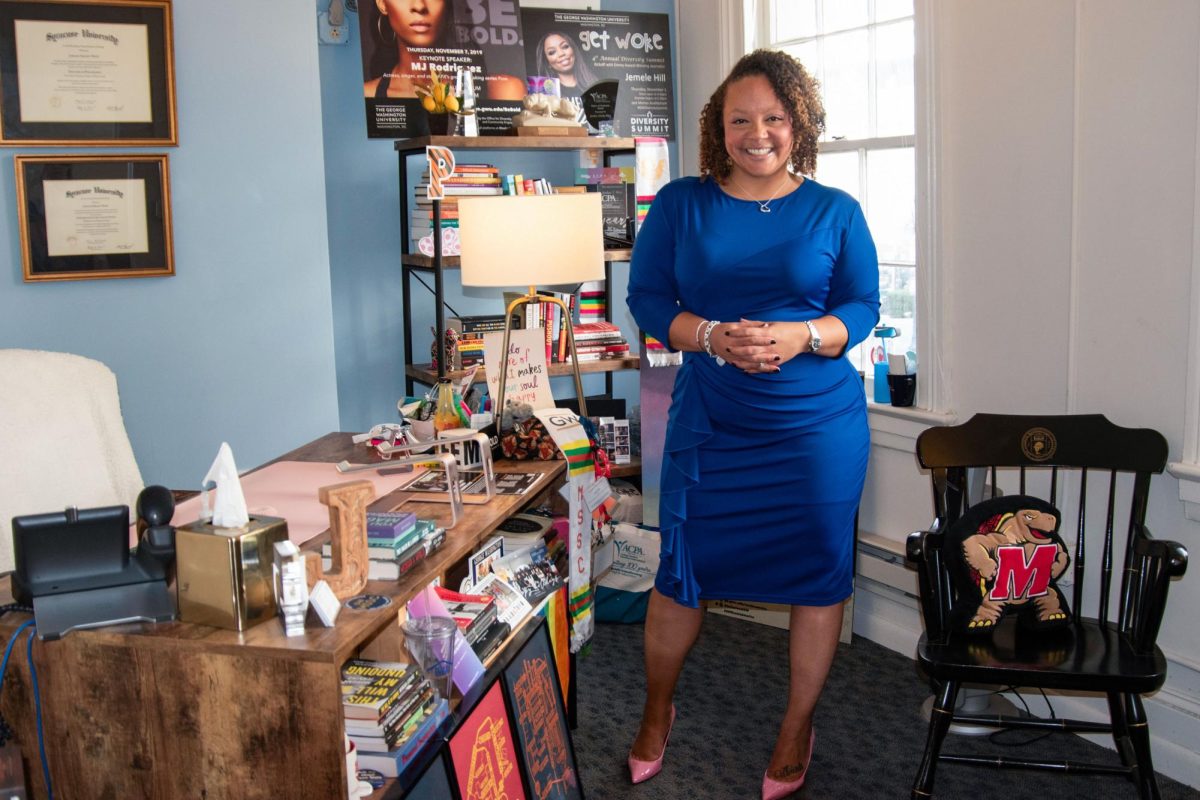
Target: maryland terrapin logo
{"x":1038,"y":444}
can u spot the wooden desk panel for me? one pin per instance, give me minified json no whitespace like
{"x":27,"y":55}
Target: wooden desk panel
{"x":178,"y":710}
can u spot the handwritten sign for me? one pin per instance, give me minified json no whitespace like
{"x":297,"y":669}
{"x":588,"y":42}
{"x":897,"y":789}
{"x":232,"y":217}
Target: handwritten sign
{"x":528,"y":378}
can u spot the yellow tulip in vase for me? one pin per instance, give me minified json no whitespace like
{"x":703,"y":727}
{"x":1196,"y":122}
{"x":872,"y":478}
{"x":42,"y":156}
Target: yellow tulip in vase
{"x":440,"y":104}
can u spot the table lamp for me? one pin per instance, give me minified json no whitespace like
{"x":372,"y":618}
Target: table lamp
{"x":531,"y":240}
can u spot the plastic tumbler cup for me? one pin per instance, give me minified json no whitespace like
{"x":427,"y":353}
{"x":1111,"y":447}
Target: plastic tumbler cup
{"x":430,"y":642}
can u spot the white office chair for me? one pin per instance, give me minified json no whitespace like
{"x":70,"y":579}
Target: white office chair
{"x":62,"y":439}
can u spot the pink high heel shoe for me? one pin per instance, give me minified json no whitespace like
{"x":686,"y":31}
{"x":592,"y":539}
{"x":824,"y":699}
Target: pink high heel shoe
{"x":775,"y":790}
{"x":645,"y":770}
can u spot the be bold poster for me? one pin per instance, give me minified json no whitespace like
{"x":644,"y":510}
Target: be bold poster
{"x":402,"y":41}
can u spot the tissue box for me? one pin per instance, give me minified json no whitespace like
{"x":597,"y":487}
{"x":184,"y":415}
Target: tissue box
{"x":224,"y":575}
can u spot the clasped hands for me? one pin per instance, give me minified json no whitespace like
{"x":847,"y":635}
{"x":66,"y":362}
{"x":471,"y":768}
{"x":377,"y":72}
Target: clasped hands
{"x":757,"y":346}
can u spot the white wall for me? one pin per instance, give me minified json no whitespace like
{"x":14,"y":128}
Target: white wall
{"x":1066,"y":184}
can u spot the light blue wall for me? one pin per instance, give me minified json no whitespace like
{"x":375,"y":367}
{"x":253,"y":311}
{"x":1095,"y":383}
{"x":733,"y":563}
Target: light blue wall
{"x":286,"y":228}
{"x":238,"y":345}
{"x":362,"y":191}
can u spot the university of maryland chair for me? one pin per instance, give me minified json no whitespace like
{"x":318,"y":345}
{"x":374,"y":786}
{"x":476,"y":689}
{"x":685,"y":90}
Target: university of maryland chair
{"x":62,"y":439}
{"x":1118,"y":575}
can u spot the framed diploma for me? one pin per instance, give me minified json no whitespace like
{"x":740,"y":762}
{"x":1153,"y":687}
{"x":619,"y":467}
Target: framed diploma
{"x":77,"y":72}
{"x":94,"y":216}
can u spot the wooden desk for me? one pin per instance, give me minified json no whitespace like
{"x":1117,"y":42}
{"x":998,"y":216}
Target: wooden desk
{"x":177,"y":710}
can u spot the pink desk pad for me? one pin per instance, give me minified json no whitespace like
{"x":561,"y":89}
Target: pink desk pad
{"x":288,"y":489}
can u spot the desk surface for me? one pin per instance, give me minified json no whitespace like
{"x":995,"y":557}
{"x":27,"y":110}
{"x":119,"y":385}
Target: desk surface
{"x":353,"y":627}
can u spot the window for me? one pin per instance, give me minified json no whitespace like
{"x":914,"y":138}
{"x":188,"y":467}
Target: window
{"x":862,"y":53}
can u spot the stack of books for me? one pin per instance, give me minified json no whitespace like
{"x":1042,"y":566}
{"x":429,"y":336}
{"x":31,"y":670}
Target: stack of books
{"x":466,"y":180}
{"x":595,"y":341}
{"x":390,"y":711}
{"x":470,"y":336}
{"x":396,"y":542}
{"x":473,"y":613}
{"x":592,"y":301}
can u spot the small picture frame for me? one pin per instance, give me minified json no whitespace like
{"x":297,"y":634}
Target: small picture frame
{"x":87,"y":72}
{"x":546,"y":752}
{"x":94,"y":216}
{"x":482,"y":752}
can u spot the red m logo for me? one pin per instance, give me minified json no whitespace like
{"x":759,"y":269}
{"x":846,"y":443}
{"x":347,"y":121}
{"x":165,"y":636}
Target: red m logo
{"x":1018,"y":577}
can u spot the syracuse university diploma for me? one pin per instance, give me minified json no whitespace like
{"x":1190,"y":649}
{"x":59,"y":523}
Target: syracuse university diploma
{"x":93,"y":217}
{"x":83,"y":72}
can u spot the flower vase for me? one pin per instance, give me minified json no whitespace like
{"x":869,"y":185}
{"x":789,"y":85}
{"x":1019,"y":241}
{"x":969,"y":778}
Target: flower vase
{"x":439,"y":124}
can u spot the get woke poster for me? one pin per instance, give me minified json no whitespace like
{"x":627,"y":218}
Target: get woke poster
{"x":583,"y":48}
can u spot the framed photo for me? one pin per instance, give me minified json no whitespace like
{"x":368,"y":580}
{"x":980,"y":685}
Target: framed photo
{"x":547,"y":753}
{"x":102,"y":216}
{"x":482,"y":752}
{"x":86,"y":72}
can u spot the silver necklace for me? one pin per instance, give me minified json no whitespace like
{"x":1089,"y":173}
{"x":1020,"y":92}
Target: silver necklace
{"x":763,"y":205}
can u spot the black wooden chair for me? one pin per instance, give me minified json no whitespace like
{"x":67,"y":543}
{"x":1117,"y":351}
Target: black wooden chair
{"x":1114,"y":657}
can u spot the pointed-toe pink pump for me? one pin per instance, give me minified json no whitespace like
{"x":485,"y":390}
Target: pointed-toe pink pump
{"x":645,"y":770}
{"x":776,"y":790}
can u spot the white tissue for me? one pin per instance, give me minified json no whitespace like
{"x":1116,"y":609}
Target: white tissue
{"x":229,"y":509}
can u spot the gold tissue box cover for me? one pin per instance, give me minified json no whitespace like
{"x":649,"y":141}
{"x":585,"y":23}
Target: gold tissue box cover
{"x":224,"y":575}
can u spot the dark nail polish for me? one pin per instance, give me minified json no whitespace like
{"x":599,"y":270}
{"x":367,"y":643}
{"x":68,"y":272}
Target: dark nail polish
{"x":776,"y":358}
{"x":726,"y":333}
{"x":772,"y":341}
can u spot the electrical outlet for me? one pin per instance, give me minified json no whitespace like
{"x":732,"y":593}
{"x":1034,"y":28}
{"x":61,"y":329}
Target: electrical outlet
{"x":328,"y":33}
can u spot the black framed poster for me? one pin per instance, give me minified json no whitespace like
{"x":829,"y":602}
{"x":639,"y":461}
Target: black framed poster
{"x":582,"y":49}
{"x":547,"y":754}
{"x":403,"y":42}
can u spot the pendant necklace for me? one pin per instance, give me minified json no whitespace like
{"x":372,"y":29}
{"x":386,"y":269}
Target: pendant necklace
{"x":763,"y":205}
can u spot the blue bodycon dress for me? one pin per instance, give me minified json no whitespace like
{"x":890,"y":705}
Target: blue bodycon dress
{"x":762,"y":474}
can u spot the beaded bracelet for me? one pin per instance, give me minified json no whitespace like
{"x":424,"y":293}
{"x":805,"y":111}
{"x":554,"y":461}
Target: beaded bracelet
{"x":699,"y":343}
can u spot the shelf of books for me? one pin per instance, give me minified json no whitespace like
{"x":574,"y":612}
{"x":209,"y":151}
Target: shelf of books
{"x":425,"y":374}
{"x":515,"y":142}
{"x":452,"y":262}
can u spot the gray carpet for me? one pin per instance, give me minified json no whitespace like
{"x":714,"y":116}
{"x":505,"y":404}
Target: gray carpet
{"x":869,"y":729}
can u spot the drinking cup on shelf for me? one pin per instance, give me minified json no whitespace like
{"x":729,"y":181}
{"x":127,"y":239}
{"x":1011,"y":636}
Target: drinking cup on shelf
{"x":430,"y":642}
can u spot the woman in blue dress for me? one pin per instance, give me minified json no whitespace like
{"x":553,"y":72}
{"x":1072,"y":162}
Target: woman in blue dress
{"x":763,"y":278}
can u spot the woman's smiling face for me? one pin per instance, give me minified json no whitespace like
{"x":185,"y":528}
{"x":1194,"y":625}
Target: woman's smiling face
{"x":559,"y":53}
{"x":758,"y":128}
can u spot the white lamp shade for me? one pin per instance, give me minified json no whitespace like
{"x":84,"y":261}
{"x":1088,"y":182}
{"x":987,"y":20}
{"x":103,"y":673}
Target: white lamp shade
{"x":531,"y":240}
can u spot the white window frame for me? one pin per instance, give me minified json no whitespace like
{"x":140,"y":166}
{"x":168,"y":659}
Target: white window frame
{"x":1188,"y":470}
{"x":933,"y":403}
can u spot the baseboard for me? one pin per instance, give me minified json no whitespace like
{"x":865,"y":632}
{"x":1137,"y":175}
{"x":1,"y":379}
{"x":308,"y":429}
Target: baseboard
{"x":886,"y":617}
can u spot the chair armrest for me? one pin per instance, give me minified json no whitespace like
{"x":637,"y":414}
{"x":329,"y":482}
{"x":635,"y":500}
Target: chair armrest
{"x":1173,"y":555}
{"x":1155,"y":563}
{"x":923,"y":550}
{"x":915,"y":547}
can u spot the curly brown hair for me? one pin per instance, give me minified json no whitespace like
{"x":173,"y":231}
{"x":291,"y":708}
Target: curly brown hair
{"x":792,"y":84}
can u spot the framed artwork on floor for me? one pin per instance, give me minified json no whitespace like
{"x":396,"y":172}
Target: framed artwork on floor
{"x":482,"y":752}
{"x":543,"y":741}
{"x":102,"y":216}
{"x":87,"y":72}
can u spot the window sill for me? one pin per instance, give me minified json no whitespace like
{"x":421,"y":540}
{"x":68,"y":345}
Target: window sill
{"x":1189,"y":487}
{"x":897,"y":428}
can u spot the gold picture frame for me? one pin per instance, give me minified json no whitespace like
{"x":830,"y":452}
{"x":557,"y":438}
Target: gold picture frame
{"x":87,"y":72}
{"x":103,"y":216}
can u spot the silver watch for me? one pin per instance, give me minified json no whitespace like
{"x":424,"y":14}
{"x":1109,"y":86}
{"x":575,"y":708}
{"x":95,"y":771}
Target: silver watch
{"x":814,"y":343}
